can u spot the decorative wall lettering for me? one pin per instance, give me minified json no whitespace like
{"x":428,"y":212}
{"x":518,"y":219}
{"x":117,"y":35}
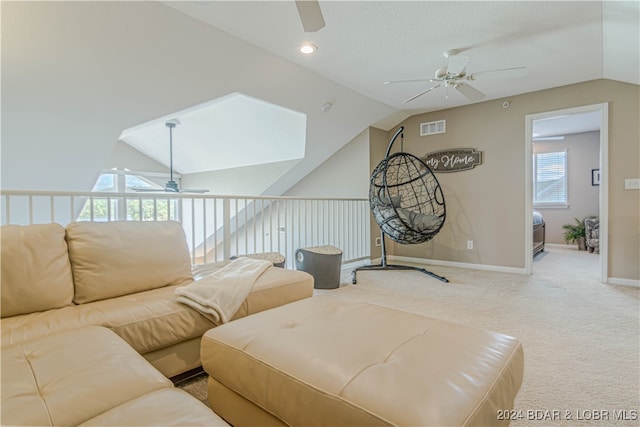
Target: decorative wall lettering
{"x":457,"y":160}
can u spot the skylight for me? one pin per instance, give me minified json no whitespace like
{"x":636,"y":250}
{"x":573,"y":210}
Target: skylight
{"x":233,"y":131}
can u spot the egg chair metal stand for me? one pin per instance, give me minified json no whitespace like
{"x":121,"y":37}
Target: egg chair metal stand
{"x":407,"y":203}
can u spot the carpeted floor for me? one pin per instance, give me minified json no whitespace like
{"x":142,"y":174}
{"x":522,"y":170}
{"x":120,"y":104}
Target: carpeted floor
{"x":581,"y":338}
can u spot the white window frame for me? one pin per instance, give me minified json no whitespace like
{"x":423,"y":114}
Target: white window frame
{"x":119,"y":210}
{"x":544,"y":204}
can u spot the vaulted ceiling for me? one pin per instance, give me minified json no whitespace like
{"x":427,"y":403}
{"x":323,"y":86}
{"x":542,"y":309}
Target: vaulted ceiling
{"x":366,"y":43}
{"x":75,"y":75}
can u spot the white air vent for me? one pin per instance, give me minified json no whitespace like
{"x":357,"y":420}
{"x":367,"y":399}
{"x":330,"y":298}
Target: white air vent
{"x":432,"y":128}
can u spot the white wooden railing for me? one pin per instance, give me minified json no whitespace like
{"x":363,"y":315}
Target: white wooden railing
{"x":216,"y":227}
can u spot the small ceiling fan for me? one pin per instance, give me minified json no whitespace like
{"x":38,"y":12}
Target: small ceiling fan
{"x":310,"y":15}
{"x":171,"y":186}
{"x":455,"y":75}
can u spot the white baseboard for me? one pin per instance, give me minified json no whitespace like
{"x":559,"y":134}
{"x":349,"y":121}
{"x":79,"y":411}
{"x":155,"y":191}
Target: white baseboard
{"x":560,"y":246}
{"x":483,"y":267}
{"x":623,"y":282}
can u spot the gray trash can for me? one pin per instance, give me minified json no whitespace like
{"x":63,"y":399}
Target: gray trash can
{"x":323,"y":263}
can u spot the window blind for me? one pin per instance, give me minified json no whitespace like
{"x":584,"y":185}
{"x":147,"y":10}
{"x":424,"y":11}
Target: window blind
{"x":550,"y":181}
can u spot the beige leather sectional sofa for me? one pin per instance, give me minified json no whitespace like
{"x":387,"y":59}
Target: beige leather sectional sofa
{"x":120,"y":276}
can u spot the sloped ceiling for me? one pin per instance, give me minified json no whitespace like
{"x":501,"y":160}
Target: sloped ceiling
{"x":366,"y":43}
{"x":76,"y":74}
{"x":231,"y":132}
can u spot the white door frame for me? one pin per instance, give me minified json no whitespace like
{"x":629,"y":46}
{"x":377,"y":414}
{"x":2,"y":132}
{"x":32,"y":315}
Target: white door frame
{"x":603,"y":109}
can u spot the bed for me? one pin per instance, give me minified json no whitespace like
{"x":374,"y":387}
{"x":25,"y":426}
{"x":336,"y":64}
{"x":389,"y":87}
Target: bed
{"x":538,"y":233}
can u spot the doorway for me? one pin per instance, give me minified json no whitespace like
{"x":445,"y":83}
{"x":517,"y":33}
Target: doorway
{"x":601,"y":112}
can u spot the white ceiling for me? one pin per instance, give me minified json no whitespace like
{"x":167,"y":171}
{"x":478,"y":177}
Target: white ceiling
{"x":366,"y":43}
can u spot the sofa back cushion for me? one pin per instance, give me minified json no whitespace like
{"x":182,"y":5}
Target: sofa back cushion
{"x":111,"y":259}
{"x":36,"y":275}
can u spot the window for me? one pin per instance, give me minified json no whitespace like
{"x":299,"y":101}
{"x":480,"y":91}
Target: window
{"x":143,"y":207}
{"x":550,"y":179}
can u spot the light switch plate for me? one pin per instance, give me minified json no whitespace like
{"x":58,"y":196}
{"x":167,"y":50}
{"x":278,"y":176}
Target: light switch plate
{"x":632,"y":184}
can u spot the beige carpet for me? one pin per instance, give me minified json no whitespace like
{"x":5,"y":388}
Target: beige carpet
{"x":581,"y":338}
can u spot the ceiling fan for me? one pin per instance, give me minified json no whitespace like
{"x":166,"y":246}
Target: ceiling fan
{"x":310,"y":15}
{"x":455,"y":75}
{"x":171,"y":186}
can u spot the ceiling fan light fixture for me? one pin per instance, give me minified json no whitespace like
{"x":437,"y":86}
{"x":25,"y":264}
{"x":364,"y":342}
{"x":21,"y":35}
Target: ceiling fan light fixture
{"x":308,"y":48}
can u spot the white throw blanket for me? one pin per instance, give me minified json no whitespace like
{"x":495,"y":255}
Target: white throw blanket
{"x":219,"y":295}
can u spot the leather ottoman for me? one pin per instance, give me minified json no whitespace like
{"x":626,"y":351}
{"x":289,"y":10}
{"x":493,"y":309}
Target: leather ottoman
{"x":329,"y":361}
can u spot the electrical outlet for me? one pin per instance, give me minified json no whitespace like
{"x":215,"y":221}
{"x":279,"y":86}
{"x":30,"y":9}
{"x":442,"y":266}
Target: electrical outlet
{"x":632,"y":184}
{"x":470,"y":245}
{"x":378,"y":241}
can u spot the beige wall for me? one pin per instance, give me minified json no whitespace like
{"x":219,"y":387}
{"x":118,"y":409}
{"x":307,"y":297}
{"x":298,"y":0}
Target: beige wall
{"x":487,"y":204}
{"x":242,"y":181}
{"x":125,"y":156}
{"x":583,"y":155}
{"x":378,"y":141}
{"x":343,"y":175}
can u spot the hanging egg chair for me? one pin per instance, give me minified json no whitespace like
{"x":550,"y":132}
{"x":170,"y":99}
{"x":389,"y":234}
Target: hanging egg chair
{"x":407,"y":203}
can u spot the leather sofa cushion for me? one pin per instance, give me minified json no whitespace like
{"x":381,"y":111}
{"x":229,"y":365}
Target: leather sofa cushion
{"x":36,"y":274}
{"x":117,"y":258}
{"x":276,"y":287}
{"x":165,"y":407}
{"x":18,"y":329}
{"x":71,"y":377}
{"x":147,"y":320}
{"x":330,"y":361}
{"x":153,"y":319}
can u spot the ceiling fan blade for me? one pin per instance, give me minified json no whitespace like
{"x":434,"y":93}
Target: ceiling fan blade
{"x":408,"y":81}
{"x":194,"y":190}
{"x":310,"y":15}
{"x":169,"y":190}
{"x":147,"y":190}
{"x":422,"y":93}
{"x":470,"y":92}
{"x":499,"y":74}
{"x":457,"y":63}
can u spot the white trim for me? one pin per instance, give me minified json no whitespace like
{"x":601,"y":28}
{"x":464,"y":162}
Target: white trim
{"x":561,"y":246}
{"x":624,"y":282}
{"x":469,"y":266}
{"x":604,"y":192}
{"x":603,"y":108}
{"x":528,"y":195}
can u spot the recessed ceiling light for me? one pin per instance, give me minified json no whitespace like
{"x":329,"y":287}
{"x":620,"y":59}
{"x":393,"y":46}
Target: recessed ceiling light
{"x":308,"y":48}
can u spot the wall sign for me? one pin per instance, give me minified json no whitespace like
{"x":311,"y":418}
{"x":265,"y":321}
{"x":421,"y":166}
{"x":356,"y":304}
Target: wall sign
{"x":457,"y":160}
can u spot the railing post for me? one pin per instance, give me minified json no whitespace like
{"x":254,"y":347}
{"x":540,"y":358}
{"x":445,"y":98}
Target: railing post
{"x":226,"y":226}
{"x":305,"y":221}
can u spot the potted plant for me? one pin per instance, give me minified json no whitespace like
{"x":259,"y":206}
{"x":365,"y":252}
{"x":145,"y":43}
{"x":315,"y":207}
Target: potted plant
{"x":575,"y":233}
